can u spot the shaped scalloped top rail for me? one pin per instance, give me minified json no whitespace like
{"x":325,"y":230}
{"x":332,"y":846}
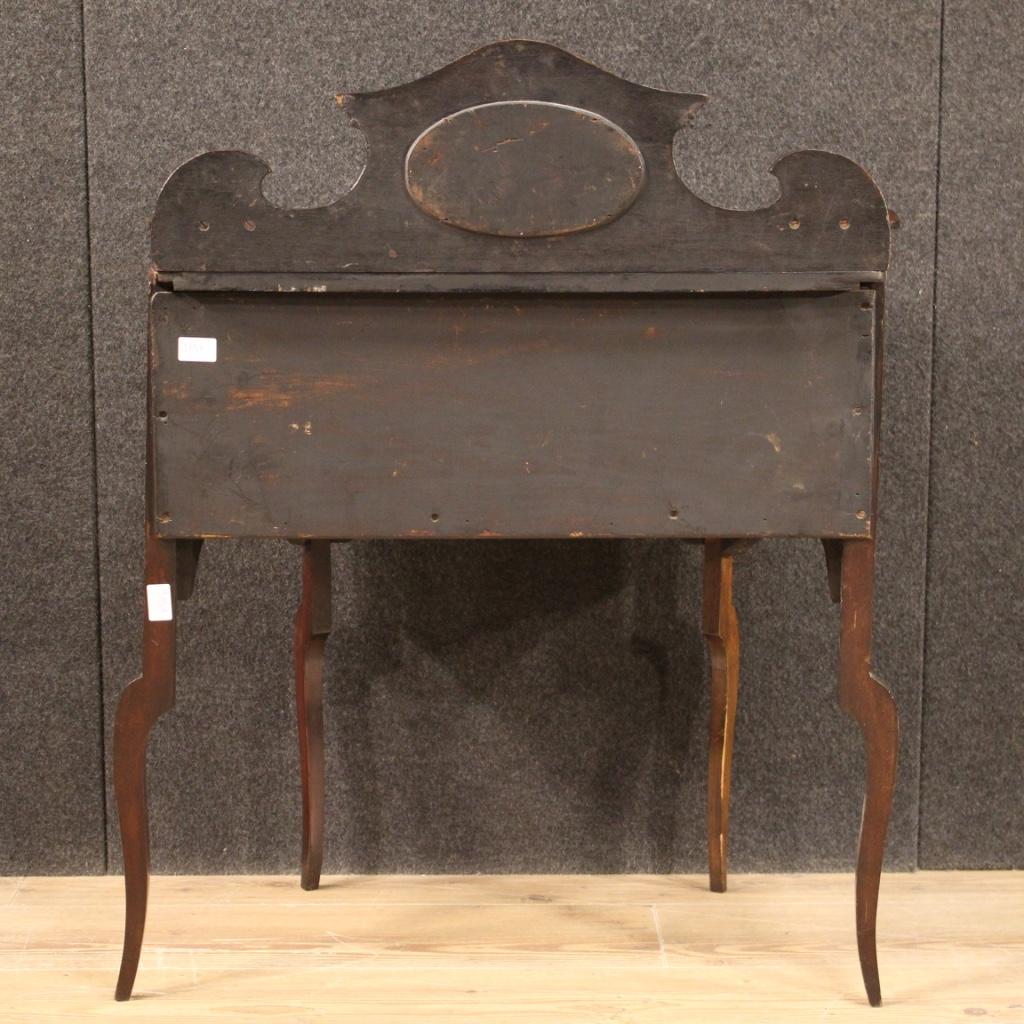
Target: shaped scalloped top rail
{"x":520,"y":157}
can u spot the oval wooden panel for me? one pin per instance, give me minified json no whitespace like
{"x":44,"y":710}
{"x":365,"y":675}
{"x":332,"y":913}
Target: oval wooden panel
{"x":524,"y":169}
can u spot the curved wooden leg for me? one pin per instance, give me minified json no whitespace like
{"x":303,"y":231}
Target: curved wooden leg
{"x":863,"y":697}
{"x":721,"y":632}
{"x":141,"y":704}
{"x":312,"y":624}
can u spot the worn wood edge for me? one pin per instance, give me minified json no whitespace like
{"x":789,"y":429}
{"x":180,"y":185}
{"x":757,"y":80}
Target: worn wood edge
{"x":235,"y":178}
{"x":166,"y":531}
{"x":543,"y":283}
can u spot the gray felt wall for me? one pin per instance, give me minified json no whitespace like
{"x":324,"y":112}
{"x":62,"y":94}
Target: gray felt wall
{"x":505,"y":706}
{"x":51,"y":790}
{"x":972,"y":786}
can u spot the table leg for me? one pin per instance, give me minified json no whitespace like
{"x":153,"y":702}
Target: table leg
{"x":140,"y":705}
{"x":312,"y":625}
{"x":721,"y":632}
{"x":864,"y":698}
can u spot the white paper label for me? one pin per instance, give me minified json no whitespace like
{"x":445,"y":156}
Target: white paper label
{"x":158,"y":602}
{"x":197,"y":350}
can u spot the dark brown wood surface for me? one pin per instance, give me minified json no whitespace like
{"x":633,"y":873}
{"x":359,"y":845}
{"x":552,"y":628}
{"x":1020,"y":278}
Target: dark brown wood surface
{"x":871,"y":705}
{"x":554,"y":283}
{"x":212,"y":215}
{"x":142,"y":702}
{"x":722,"y":635}
{"x":519,"y":323}
{"x":524,"y":169}
{"x":312,"y":626}
{"x":486,"y":416}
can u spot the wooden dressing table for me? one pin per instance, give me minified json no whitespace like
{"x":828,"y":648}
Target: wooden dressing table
{"x":519,"y":323}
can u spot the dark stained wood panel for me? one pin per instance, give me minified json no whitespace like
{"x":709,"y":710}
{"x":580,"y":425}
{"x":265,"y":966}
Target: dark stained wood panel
{"x":524,"y":169}
{"x":212,"y":215}
{"x":513,"y":416}
{"x":549,"y":283}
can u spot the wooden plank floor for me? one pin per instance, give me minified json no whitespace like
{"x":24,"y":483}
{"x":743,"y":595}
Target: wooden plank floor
{"x":515,"y":949}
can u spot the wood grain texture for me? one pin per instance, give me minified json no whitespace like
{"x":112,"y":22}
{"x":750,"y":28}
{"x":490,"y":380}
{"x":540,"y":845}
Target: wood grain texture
{"x":312,"y":626}
{"x":496,"y":416}
{"x":524,"y":169}
{"x":722,"y":635}
{"x":871,"y":705}
{"x":141,"y":703}
{"x":212,"y":215}
{"x":507,"y":949}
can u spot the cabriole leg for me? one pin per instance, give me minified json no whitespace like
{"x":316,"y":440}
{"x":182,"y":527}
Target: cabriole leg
{"x":140,"y":705}
{"x":864,"y":698}
{"x":721,"y":632}
{"x":312,"y":625}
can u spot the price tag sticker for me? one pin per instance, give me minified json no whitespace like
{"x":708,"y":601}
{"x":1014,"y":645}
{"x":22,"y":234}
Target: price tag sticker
{"x":197,"y":350}
{"x":158,"y":602}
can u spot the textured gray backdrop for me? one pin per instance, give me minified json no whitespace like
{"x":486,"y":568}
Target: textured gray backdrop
{"x":972,"y":791}
{"x":508,"y":706}
{"x":51,"y":789}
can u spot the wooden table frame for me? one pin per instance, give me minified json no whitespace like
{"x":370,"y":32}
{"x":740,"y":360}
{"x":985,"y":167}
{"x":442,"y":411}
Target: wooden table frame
{"x":520,"y":323}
